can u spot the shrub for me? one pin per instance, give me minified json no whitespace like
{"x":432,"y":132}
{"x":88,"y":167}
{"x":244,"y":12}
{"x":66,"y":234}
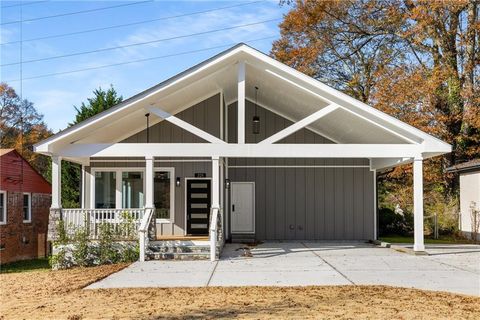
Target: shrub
{"x":106,"y":252}
{"x":130,"y":253}
{"x":61,"y":233}
{"x":391,"y":222}
{"x":61,"y":259}
{"x":81,"y":250}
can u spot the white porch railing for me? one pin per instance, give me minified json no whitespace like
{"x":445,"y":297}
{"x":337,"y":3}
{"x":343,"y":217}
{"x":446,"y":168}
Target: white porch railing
{"x":124,"y":222}
{"x":143,"y":232}
{"x":216,"y":233}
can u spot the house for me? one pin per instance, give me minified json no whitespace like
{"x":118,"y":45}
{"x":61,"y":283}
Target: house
{"x":469,"y":220}
{"x":25,"y":198}
{"x":239,"y":147}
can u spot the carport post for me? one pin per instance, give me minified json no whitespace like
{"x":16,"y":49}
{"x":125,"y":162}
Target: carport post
{"x":418,"y":245}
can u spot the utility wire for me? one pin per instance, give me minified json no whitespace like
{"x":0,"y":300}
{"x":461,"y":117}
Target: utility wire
{"x":139,"y":43}
{"x":139,"y":60}
{"x":75,"y":12}
{"x":131,"y":24}
{"x":23,"y":4}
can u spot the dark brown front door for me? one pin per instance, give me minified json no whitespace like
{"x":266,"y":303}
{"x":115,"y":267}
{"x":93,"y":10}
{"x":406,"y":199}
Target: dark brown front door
{"x":198,"y":206}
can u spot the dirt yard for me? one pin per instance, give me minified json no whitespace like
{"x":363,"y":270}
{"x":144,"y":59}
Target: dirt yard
{"x":59,"y":295}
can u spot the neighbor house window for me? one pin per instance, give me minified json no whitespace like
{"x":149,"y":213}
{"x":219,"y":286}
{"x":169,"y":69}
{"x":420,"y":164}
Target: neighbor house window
{"x":27,"y":207}
{"x":105,"y":189}
{"x":3,"y":207}
{"x":132,"y":189}
{"x":163,"y":193}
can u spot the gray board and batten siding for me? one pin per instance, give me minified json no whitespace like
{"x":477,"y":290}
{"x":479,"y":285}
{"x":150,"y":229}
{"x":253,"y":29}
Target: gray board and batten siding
{"x":290,"y":203}
{"x":310,"y":203}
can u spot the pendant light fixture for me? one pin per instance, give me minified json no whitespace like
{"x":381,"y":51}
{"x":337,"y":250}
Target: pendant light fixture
{"x":148,"y":127}
{"x":256,"y":118}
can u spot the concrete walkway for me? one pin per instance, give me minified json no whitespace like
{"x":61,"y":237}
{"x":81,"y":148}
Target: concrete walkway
{"x":453,"y":268}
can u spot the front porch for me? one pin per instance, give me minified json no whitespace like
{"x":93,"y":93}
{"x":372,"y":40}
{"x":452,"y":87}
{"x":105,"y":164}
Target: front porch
{"x":137,"y":225}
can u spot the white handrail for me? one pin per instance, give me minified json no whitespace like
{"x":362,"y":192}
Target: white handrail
{"x":143,"y":232}
{"x":91,"y":219}
{"x":214,"y":232}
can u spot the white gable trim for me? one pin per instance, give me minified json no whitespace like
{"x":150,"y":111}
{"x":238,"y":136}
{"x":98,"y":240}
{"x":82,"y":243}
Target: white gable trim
{"x":264,"y":62}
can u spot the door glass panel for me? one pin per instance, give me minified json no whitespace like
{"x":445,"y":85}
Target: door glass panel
{"x":199,"y":195}
{"x":105,"y":190}
{"x":199,"y":185}
{"x":162,"y":194}
{"x":199,"y":205}
{"x":132,"y":190}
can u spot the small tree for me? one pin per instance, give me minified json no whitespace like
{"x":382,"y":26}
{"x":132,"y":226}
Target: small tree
{"x":474,"y":220}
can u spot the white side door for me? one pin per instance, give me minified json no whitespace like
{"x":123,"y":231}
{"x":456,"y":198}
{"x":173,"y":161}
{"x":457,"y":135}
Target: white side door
{"x":243,"y":207}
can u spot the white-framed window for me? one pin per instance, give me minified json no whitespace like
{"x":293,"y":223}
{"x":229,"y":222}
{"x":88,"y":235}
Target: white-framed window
{"x":27,"y":207}
{"x":118,"y":188}
{"x":133,"y":189}
{"x":125,"y":188}
{"x":3,"y":207}
{"x":164,"y":194}
{"x":105,"y":187}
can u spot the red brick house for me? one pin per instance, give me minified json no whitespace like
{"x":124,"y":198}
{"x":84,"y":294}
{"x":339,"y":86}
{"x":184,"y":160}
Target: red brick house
{"x":25,"y":198}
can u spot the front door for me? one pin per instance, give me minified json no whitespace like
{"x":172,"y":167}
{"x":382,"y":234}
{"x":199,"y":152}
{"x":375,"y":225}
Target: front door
{"x":198,"y":206}
{"x":243,"y":207}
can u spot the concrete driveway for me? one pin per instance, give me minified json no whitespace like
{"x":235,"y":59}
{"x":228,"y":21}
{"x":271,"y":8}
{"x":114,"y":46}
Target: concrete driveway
{"x":453,"y":268}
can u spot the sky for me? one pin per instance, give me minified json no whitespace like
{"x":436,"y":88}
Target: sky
{"x":251,"y":21}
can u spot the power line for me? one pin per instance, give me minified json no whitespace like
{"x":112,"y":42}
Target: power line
{"x":23,"y":4}
{"x":136,"y":61}
{"x":138,"y":43}
{"x":76,"y":12}
{"x":132,"y":24}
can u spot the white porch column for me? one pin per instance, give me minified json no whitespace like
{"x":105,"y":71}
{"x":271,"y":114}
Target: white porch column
{"x":82,"y":187}
{"x":418,"y":204}
{"x":215,"y":182}
{"x":148,"y":182}
{"x":241,"y":103}
{"x":56,"y":182}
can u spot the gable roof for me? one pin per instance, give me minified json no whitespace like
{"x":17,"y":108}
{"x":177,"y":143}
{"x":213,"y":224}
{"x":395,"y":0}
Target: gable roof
{"x":283,"y":90}
{"x":8,"y":168}
{"x":472,"y":165}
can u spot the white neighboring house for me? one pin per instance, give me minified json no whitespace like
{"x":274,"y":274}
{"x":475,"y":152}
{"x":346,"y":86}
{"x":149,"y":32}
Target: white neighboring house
{"x":469,"y":173}
{"x":238,"y":147}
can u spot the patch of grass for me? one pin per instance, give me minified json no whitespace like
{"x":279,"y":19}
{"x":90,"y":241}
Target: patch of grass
{"x":26,"y":266}
{"x":440,"y":240}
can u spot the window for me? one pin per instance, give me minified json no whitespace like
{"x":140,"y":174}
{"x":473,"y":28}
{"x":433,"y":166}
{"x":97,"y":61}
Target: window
{"x":163,"y":193}
{"x":132,"y":189}
{"x":3,"y":207}
{"x":27,"y":207}
{"x":105,"y":189}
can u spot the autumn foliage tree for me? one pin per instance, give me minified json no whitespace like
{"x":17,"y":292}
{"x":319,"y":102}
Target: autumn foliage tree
{"x":21,"y":126}
{"x":418,"y":61}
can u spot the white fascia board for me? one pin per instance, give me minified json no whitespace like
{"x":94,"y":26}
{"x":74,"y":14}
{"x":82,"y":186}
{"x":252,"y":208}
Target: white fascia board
{"x":300,"y":124}
{"x":242,"y":150}
{"x":185,"y":125}
{"x":351,"y":101}
{"x":43,"y":145}
{"x":385,"y":163}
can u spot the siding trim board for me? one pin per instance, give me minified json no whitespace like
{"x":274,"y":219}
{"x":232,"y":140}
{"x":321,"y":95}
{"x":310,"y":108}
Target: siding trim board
{"x":300,"y":166}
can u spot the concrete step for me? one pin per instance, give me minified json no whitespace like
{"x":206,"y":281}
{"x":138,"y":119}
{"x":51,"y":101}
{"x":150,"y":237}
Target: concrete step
{"x":177,"y":256}
{"x":178,"y":250}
